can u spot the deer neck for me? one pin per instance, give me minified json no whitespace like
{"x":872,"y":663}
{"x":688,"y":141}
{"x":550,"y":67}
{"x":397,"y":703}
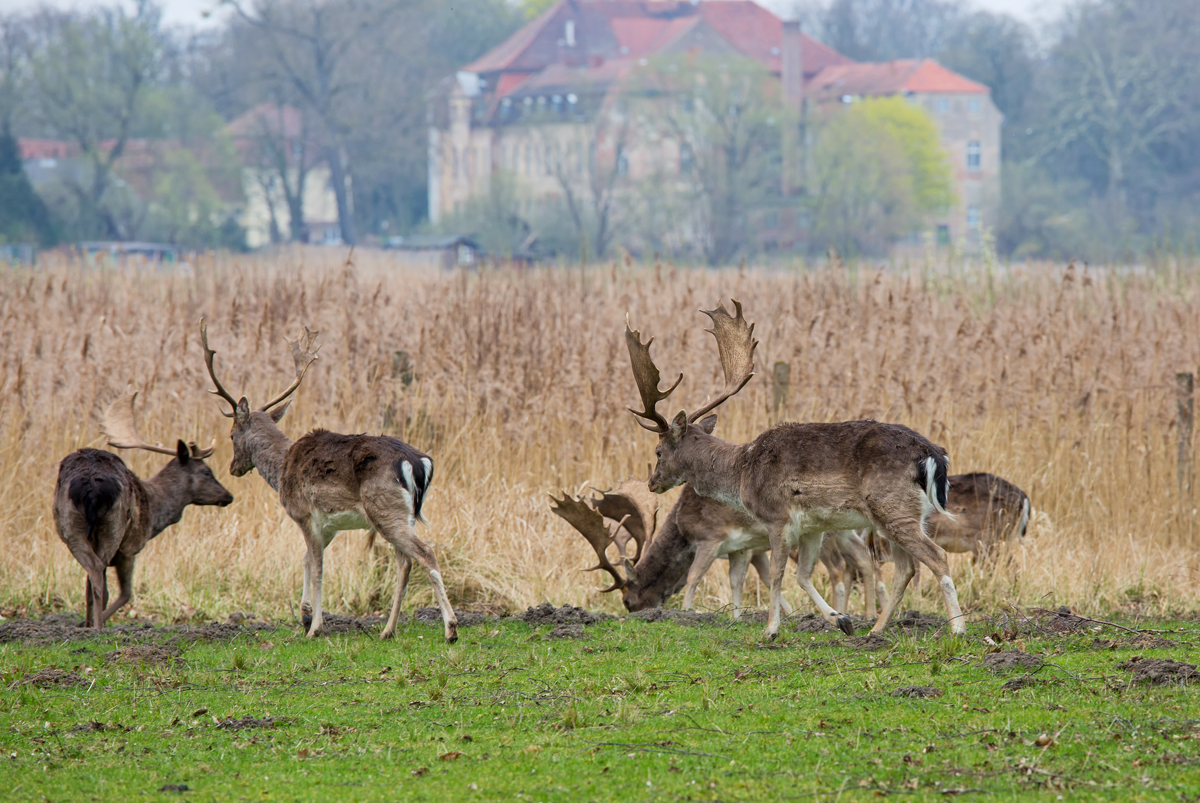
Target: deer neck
{"x":165,"y":492}
{"x":713,"y":468}
{"x":269,"y":448}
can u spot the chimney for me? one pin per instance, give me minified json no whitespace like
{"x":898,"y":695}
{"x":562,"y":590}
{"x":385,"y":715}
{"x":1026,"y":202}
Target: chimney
{"x":792,"y":71}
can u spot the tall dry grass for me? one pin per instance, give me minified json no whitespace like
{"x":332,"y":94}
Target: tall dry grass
{"x":1061,"y":381}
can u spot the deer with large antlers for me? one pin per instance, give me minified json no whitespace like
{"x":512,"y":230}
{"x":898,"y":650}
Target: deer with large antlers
{"x":329,"y":482}
{"x":695,"y":534}
{"x":801,"y":480}
{"x":106,"y":515}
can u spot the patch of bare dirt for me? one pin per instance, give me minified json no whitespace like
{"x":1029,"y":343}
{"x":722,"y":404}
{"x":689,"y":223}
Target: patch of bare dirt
{"x":245,"y":722}
{"x":1020,"y":682}
{"x":1010,"y":661}
{"x":810,"y":623}
{"x":917,"y":622}
{"x":872,"y":642}
{"x":547,"y":614}
{"x":566,"y":631}
{"x":433,"y":616}
{"x":145,"y":655}
{"x":1142,"y":641}
{"x":677,"y":616}
{"x":332,"y":623}
{"x":96,"y":727}
{"x":917,"y":692}
{"x":50,"y":679}
{"x":1160,"y":671}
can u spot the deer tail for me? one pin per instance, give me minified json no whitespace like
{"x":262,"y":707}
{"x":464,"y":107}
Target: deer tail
{"x":93,"y":497}
{"x":416,"y":476}
{"x":931,"y":476}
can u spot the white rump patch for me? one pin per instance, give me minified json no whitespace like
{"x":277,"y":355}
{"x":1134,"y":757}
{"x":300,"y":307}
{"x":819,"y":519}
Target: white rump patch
{"x":406,"y":470}
{"x":425,"y":461}
{"x":741,"y":539}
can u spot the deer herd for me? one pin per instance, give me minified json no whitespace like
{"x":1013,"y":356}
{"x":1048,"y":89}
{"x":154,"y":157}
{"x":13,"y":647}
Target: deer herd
{"x":853,"y":495}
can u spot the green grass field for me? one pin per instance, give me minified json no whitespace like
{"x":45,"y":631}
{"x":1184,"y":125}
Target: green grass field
{"x":686,"y":708}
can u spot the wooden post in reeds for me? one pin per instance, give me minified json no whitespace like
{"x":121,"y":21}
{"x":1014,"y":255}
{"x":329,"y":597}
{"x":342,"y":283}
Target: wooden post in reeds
{"x":1185,"y":417}
{"x":781,"y":378}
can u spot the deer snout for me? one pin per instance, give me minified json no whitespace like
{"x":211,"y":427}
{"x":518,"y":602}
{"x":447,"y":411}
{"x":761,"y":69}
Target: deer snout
{"x":225,"y":500}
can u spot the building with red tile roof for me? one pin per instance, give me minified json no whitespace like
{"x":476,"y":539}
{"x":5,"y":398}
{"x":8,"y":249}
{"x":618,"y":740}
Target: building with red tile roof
{"x":520,"y":107}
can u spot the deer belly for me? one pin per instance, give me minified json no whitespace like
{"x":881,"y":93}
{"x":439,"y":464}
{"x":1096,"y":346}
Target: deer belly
{"x":740,"y":539}
{"x":822,"y":520}
{"x":330,"y":523}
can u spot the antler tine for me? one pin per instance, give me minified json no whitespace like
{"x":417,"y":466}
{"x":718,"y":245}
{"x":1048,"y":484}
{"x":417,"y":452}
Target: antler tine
{"x":632,"y":503}
{"x":208,"y":360}
{"x":735,"y":344}
{"x":202,"y":454}
{"x":119,"y":427}
{"x":645,"y":373}
{"x":590,"y":524}
{"x":303,"y":355}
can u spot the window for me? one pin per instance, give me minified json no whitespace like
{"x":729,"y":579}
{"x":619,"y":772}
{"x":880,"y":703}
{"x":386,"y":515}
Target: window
{"x":973,"y":219}
{"x":569,"y":33}
{"x":973,"y":156}
{"x":973,"y":105}
{"x":941,"y":105}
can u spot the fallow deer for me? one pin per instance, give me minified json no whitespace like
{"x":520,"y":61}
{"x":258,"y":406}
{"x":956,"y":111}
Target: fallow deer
{"x":328,"y":483}
{"x":106,"y":515}
{"x":696,"y":532}
{"x":802,"y":480}
{"x":847,"y":558}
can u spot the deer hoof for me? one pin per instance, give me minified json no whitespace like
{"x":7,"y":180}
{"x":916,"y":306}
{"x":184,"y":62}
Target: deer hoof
{"x":452,"y":634}
{"x":846,"y":625}
{"x":772,"y":636}
{"x":306,"y":620}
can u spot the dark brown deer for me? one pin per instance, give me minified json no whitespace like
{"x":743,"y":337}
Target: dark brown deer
{"x":106,"y":515}
{"x":802,"y":480}
{"x":696,"y":532}
{"x":329,"y":482}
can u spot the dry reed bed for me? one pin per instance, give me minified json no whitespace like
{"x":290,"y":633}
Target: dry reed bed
{"x":1057,"y":380}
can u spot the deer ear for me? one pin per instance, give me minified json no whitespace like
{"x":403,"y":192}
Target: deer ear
{"x":678,"y":425}
{"x":182,"y":453}
{"x":709,"y":423}
{"x":277,"y":413}
{"x":242,"y":412}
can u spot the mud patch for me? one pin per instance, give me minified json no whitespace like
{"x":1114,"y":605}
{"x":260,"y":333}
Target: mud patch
{"x":916,"y":622}
{"x":218,"y":631}
{"x":872,"y":642}
{"x":1160,"y":671}
{"x":50,"y":679}
{"x":810,"y":623}
{"x":1010,"y":661}
{"x":144,"y":655}
{"x":246,"y":722}
{"x":917,"y":692}
{"x":547,"y":614}
{"x":96,"y":727}
{"x":1142,"y":641}
{"x":433,"y":616}
{"x":692,"y":618}
{"x":333,"y":623}
{"x":566,"y":631}
{"x":1020,"y":682}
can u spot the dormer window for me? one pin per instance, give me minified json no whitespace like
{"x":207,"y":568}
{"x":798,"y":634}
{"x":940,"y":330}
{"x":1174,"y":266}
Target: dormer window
{"x":569,"y":33}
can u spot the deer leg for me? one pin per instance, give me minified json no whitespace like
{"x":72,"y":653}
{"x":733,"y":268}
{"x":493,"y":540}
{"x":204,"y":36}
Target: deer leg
{"x":859,"y":556}
{"x":921,"y":548}
{"x":403,"y":567}
{"x":779,"y":561}
{"x":762,"y":565}
{"x":401,"y":536}
{"x":904,"y":572}
{"x":706,"y":553}
{"x":316,"y":556}
{"x":124,"y":564}
{"x":306,"y":593}
{"x":739,"y":563}
{"x":809,"y":547}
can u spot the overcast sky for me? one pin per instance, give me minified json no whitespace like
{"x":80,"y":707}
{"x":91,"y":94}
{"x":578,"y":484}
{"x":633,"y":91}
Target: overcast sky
{"x":190,"y":12}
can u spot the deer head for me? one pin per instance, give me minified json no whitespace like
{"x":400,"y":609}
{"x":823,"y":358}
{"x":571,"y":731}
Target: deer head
{"x":735,"y":345}
{"x":245,"y":419}
{"x":187,"y":474}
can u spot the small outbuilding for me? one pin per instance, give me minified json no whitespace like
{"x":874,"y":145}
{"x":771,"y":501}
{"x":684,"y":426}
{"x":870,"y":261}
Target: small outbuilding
{"x":445,"y":251}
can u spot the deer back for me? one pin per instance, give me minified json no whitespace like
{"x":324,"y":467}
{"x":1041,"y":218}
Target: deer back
{"x":987,"y":509}
{"x":98,"y":501}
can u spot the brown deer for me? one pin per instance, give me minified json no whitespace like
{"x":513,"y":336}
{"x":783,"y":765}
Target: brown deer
{"x":329,"y":482}
{"x":696,"y":532}
{"x":802,"y":480}
{"x":847,"y":557}
{"x":106,"y":515}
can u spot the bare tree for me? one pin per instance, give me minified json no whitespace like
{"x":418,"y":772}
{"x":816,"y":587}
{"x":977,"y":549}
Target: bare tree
{"x":90,"y":74}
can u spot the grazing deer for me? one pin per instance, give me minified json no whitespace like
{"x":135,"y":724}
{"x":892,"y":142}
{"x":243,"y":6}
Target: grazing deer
{"x":847,"y":558}
{"x":802,"y":480}
{"x":329,"y":482}
{"x":106,"y":515}
{"x":696,"y":532}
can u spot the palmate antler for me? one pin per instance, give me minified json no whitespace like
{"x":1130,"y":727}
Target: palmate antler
{"x":590,"y":524}
{"x":303,"y":355}
{"x":632,"y":503}
{"x":120,"y":428}
{"x":735,"y":345}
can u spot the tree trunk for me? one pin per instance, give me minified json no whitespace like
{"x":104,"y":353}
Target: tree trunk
{"x":337,"y":174}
